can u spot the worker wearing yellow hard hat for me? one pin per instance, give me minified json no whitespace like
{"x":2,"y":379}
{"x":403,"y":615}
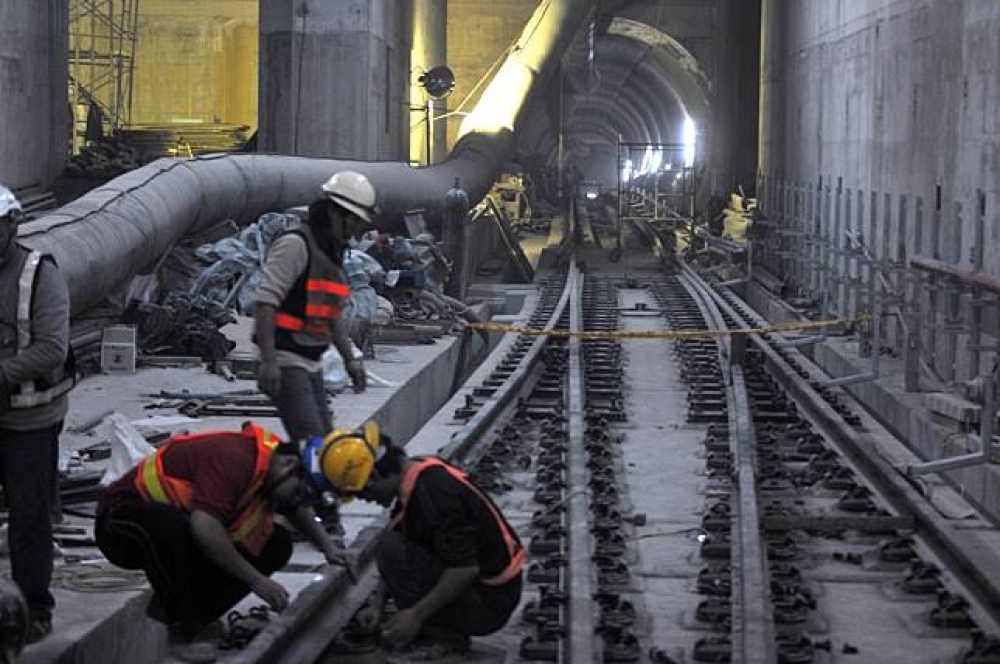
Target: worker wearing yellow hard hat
{"x":449,"y":559}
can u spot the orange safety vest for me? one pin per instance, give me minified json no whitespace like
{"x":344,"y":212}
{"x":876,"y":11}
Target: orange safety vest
{"x":518,"y":554}
{"x":314,"y":301}
{"x":254,"y":524}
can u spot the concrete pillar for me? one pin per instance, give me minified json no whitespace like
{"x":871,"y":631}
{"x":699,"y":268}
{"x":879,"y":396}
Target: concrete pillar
{"x":773,"y":118}
{"x":430,"y":49}
{"x":334,"y":78}
{"x":34,"y":99}
{"x":735,"y":108}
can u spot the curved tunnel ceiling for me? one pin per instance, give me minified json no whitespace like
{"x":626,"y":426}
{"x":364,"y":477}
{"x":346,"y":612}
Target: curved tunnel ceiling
{"x":644,"y":84}
{"x":680,"y":66}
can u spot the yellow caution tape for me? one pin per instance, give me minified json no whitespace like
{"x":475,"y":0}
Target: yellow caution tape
{"x":665,"y":334}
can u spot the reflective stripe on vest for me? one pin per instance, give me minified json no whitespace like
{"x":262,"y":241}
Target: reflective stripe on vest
{"x":254,"y":524}
{"x":318,"y":313}
{"x":28,"y":394}
{"x":330,"y":287}
{"x":518,"y":554}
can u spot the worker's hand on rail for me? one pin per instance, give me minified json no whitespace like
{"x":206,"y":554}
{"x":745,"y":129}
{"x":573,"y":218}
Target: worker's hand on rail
{"x":368,"y":617}
{"x":271,"y":592}
{"x":342,"y":558}
{"x":356,"y":370}
{"x":402,"y":628}
{"x":269,"y":379}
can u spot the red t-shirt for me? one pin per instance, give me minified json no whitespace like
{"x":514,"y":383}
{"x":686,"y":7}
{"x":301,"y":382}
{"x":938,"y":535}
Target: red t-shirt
{"x":219,"y":468}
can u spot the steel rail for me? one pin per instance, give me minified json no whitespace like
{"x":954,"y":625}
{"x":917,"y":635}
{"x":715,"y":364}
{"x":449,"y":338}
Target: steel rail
{"x":963,"y":551}
{"x":304,"y":630}
{"x":579,"y":645}
{"x":753,"y":631}
{"x":481,"y":422}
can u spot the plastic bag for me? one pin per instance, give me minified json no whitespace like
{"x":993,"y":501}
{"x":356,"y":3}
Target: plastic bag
{"x":128,"y":447}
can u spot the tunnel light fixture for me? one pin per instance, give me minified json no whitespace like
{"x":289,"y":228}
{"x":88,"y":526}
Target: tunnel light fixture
{"x":689,"y":136}
{"x":439,"y":82}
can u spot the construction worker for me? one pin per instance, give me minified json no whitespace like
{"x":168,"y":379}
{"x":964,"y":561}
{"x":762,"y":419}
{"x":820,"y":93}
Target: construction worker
{"x":35,"y":375}
{"x":448,"y":558}
{"x":197,"y":517}
{"x":299,"y":304}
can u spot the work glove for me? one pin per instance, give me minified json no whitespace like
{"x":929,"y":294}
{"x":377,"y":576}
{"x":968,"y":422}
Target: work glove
{"x":356,"y":370}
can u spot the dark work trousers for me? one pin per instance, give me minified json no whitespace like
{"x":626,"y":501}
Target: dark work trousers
{"x":410,"y":571}
{"x":189,"y":589}
{"x":302,"y":404}
{"x":304,"y":409}
{"x":28,"y":469}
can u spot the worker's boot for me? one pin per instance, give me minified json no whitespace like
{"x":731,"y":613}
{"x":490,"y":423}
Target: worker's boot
{"x":193,"y":644}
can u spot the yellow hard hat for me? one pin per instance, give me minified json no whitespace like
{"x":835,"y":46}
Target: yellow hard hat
{"x":348,"y":456}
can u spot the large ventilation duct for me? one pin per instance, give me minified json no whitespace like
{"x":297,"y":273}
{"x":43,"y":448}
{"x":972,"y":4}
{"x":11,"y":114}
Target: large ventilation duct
{"x":121,"y":229}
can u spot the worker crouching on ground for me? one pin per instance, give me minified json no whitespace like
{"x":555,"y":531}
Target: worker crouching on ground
{"x":449,"y":560}
{"x":197,"y":517}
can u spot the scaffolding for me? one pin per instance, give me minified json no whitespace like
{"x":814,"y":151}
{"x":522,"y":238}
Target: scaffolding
{"x":102,"y":41}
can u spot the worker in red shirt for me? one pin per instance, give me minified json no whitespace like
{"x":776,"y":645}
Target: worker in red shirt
{"x":197,"y":517}
{"x":448,"y":558}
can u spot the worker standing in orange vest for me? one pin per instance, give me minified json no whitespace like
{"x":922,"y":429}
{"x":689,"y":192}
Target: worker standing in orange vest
{"x":449,"y":559}
{"x":198,"y":517}
{"x":298,"y":310}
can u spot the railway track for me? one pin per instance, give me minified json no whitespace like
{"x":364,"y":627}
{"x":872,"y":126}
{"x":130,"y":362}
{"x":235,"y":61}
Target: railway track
{"x":700,"y":500}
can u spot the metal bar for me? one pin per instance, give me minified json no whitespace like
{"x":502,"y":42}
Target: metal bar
{"x":975,"y":308}
{"x":953,"y":303}
{"x":933,"y":286}
{"x":872,"y":272}
{"x":838,"y":296}
{"x":850,"y":260}
{"x":815,"y":214}
{"x":900,"y":271}
{"x":884,"y":256}
{"x":956,"y":274}
{"x":912,"y":350}
{"x":579,"y":644}
{"x":823,"y":236}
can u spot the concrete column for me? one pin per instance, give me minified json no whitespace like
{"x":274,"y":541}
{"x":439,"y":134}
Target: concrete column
{"x":34,"y":99}
{"x":333,"y":78}
{"x":774,"y":34}
{"x":735,"y":109}
{"x":430,"y":49}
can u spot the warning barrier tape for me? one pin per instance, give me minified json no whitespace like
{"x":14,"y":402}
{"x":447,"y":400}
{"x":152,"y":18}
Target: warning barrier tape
{"x":665,"y":334}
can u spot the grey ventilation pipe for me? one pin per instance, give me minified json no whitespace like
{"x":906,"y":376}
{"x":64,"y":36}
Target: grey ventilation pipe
{"x":121,"y":229}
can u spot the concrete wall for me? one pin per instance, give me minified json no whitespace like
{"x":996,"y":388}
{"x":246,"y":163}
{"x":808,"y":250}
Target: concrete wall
{"x":334,"y":78}
{"x":34,"y":104}
{"x":196,"y":61}
{"x":892,"y":95}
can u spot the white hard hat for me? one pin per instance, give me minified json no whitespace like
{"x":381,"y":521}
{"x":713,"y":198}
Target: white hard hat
{"x":352,"y":191}
{"x":8,"y":202}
